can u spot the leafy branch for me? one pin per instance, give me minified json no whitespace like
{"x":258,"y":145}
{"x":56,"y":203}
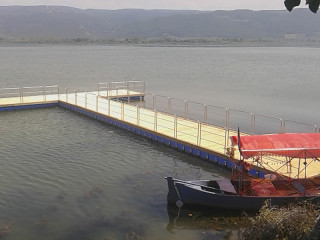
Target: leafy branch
{"x":313,"y":4}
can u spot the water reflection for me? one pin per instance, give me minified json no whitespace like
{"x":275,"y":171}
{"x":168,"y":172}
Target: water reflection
{"x":77,"y":178}
{"x":213,"y":224}
{"x":5,"y":229}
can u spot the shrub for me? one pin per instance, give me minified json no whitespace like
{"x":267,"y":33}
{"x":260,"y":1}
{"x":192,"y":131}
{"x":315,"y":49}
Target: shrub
{"x":293,"y":222}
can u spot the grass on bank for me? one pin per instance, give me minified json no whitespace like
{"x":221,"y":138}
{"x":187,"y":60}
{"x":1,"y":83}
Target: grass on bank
{"x":294,"y":222}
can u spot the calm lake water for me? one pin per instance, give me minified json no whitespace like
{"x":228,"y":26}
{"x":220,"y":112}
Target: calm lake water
{"x":66,"y":176}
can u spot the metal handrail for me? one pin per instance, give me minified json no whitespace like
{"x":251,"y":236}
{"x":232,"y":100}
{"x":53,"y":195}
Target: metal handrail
{"x":226,"y":113}
{"x":128,"y":86}
{"x":33,"y":87}
{"x":9,"y":88}
{"x":99,"y":104}
{"x":199,"y":133}
{"x":270,"y":117}
{"x":23,"y":92}
{"x":300,"y":123}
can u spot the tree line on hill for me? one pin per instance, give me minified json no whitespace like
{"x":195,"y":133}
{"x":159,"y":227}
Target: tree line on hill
{"x":56,"y":24}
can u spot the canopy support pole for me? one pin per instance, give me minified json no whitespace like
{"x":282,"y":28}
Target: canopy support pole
{"x":299,"y":167}
{"x":305,"y":168}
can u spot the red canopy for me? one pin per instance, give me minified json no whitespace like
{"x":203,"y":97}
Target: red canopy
{"x":296,"y":145}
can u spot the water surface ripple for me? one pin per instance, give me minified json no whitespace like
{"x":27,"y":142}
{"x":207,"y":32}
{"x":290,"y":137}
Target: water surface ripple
{"x":66,"y":176}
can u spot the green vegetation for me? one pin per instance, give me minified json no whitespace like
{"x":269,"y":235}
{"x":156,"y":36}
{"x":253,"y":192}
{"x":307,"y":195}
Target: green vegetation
{"x":290,"y":223}
{"x":293,"y":222}
{"x":134,"y":40}
{"x":164,"y":41}
{"x":63,"y":25}
{"x":313,"y":4}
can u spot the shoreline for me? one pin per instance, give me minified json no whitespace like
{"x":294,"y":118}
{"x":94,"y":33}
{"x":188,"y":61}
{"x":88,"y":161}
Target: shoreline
{"x":163,"y":43}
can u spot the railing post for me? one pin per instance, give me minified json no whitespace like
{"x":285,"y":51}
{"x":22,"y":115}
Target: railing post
{"x":175,"y":127}
{"x":155,"y":120}
{"x":109,"y":105}
{"x":122,"y":111}
{"x":205,"y":109}
{"x":283,"y":125}
{"x":138,"y":115}
{"x":86,"y":101}
{"x":227,"y":129}
{"x":108,"y":89}
{"x":97,"y":103}
{"x":66,"y":94}
{"x":127,"y":82}
{"x":44,"y":93}
{"x":253,"y":123}
{"x":199,"y":134}
{"x":185,"y":108}
{"x":227,"y":126}
{"x":21,"y":95}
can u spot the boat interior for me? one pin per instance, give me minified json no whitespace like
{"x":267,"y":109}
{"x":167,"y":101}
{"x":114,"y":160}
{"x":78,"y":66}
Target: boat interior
{"x":265,"y":187}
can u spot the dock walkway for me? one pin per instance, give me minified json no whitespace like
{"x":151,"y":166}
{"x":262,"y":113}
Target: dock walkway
{"x":114,"y":106}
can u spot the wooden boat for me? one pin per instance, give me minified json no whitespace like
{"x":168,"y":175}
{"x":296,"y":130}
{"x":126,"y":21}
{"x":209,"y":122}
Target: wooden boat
{"x":240,"y":194}
{"x":248,"y":193}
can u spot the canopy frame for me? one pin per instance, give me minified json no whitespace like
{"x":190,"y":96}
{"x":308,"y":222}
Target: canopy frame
{"x":292,"y":146}
{"x":296,"y":145}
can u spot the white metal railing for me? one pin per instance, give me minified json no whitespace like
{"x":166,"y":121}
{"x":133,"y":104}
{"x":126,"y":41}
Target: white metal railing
{"x":289,"y":126}
{"x":111,"y":89}
{"x":10,"y":92}
{"x":249,"y":123}
{"x":34,"y":93}
{"x":181,"y":128}
{"x":171,"y":116}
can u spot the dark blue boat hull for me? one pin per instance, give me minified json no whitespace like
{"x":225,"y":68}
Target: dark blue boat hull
{"x":190,"y":194}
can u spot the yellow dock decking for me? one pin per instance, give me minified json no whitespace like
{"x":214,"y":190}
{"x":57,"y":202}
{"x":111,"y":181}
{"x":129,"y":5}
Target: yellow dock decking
{"x":193,"y":133}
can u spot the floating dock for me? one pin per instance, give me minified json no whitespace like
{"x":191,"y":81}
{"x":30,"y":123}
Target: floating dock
{"x":122,"y":104}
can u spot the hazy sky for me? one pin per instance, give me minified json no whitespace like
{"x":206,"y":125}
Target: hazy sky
{"x":156,"y":4}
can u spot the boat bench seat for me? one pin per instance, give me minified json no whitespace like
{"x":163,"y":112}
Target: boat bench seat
{"x":226,"y":185}
{"x":300,"y":188}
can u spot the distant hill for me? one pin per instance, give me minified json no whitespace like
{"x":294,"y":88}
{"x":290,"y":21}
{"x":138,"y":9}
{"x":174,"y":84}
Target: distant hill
{"x":48,"y":22}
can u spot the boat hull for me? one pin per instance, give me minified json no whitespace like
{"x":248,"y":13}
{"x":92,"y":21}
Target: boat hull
{"x":191,"y":194}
